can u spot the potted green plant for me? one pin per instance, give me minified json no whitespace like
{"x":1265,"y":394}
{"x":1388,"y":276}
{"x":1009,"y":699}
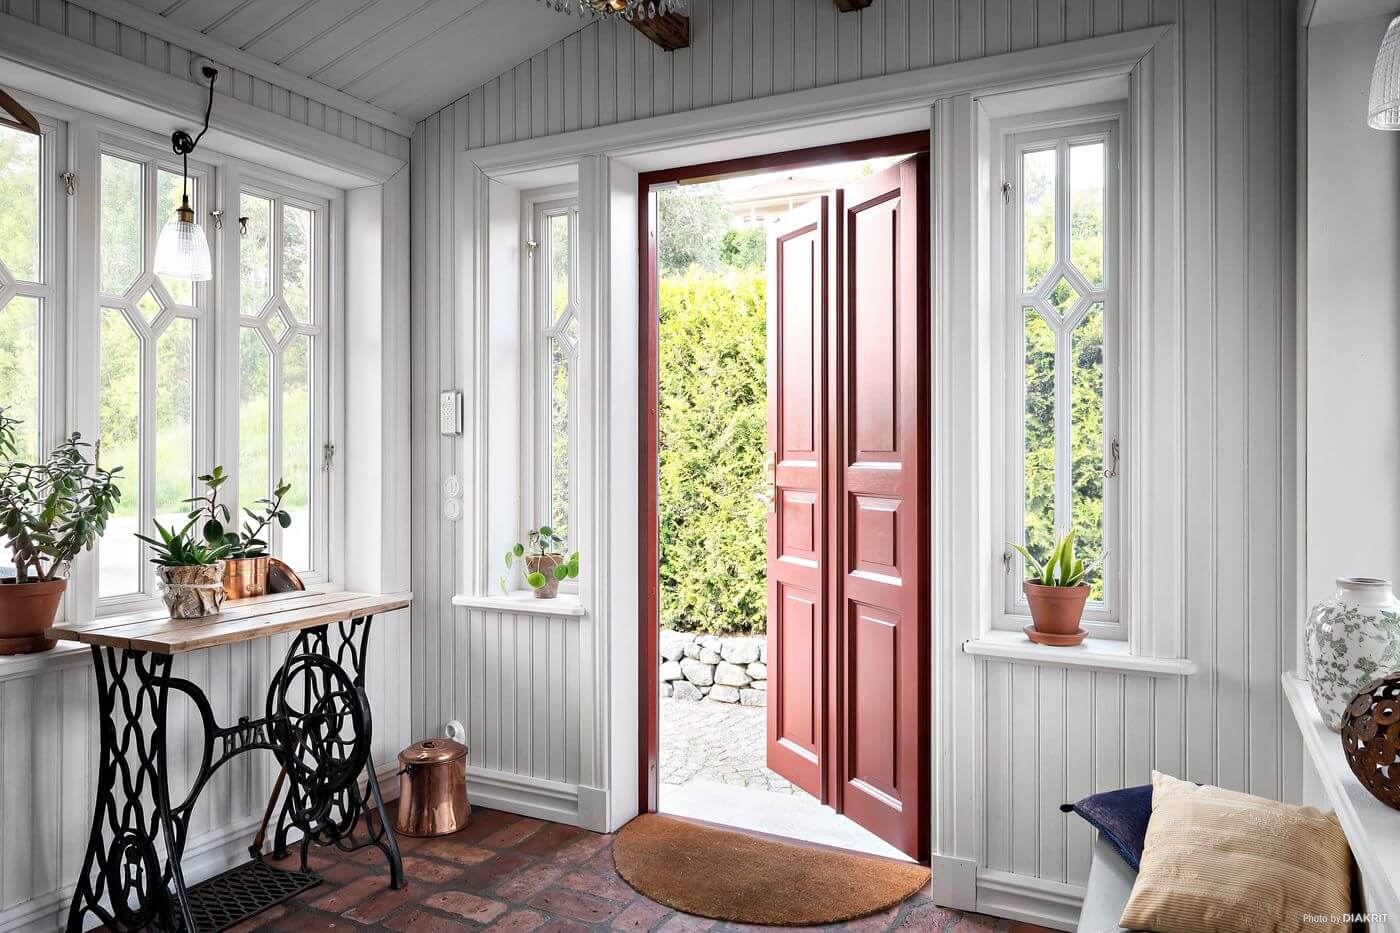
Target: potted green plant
{"x":190,"y":570}
{"x":49,"y":513}
{"x":246,"y":567}
{"x":1057,"y":590}
{"x":545,"y":564}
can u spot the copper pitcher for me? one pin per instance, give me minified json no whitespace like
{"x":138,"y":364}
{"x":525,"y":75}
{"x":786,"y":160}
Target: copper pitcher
{"x":433,"y":789}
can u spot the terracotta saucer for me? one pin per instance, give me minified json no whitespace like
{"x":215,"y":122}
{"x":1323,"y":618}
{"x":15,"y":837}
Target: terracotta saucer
{"x":1059,"y":641}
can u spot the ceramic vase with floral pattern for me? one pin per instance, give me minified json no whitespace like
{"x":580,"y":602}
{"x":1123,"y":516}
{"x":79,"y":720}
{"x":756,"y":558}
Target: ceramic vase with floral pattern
{"x":1350,"y":640}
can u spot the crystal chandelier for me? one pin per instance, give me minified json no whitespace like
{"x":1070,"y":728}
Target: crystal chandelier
{"x":626,"y":9}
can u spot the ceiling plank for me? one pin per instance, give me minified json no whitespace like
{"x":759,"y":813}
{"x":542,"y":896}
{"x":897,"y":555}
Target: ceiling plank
{"x":852,"y":6}
{"x":671,"y":30}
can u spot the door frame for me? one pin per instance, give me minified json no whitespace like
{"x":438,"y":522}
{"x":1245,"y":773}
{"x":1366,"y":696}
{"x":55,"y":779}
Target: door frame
{"x":649,"y":556}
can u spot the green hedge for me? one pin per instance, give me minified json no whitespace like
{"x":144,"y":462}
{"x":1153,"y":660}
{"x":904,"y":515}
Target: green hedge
{"x":713,"y":425}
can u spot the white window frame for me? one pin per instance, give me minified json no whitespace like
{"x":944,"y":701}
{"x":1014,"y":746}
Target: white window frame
{"x":51,"y":288}
{"x":538,"y":332}
{"x":205,"y":315}
{"x":1011,"y":139}
{"x":322,"y":330}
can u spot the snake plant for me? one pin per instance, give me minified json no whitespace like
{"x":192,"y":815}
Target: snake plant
{"x":1061,"y":568}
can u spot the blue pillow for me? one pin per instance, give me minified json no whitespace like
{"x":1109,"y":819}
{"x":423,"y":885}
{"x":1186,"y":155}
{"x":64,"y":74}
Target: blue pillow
{"x":1120,"y":816}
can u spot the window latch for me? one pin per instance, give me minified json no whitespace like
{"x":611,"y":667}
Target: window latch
{"x":70,"y":183}
{"x":1006,"y":191}
{"x":1112,"y":470}
{"x":530,"y":247}
{"x":328,"y":457}
{"x":1006,"y":562}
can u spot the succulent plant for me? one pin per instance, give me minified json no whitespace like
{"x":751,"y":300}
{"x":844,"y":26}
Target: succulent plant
{"x":1061,"y":568}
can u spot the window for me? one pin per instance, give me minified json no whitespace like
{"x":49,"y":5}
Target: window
{"x":28,"y":276}
{"x":153,"y":371}
{"x":555,"y":363}
{"x":283,"y":359}
{"x":1061,"y":304}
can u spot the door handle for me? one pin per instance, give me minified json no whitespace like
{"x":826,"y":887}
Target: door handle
{"x":768,"y":491}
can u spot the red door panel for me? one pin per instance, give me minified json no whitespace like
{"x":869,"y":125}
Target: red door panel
{"x":797,"y":450}
{"x":881,"y":547}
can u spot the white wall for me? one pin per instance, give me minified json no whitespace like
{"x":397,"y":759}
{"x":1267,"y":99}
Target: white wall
{"x":1047,"y":735}
{"x":1353,"y":308}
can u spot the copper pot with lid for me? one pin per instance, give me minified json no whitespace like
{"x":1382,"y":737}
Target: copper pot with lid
{"x":433,"y":789}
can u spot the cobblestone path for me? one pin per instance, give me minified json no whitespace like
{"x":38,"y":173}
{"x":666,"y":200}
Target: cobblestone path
{"x":720,"y":742}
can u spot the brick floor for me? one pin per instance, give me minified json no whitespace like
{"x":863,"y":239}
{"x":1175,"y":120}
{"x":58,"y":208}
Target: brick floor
{"x":517,"y":875}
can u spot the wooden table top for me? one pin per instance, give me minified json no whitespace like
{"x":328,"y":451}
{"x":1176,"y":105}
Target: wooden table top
{"x":241,"y":620}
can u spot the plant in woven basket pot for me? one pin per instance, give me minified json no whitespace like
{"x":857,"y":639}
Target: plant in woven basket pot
{"x":49,"y":513}
{"x":1057,"y":590}
{"x":190,"y":570}
{"x":545,"y":564}
{"x":246,"y":567}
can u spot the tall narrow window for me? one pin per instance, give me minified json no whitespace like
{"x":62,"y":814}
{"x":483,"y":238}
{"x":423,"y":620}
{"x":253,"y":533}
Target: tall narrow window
{"x":1062,"y":304}
{"x":152,"y":374}
{"x":283,"y":374}
{"x":27,"y":279}
{"x":556,"y":327}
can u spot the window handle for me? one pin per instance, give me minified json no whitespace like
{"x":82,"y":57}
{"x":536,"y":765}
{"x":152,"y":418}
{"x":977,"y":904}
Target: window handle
{"x":1112,"y":471}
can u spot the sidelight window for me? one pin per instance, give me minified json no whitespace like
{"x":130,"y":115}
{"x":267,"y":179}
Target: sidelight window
{"x":555,"y":363}
{"x":1062,"y":296}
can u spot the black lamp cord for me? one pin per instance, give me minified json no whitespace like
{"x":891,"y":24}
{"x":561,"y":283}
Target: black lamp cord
{"x":183,"y":144}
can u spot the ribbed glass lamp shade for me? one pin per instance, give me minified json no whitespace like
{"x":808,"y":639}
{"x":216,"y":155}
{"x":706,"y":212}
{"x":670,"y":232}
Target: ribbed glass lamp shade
{"x":182,"y":252}
{"x":1383,"y":112}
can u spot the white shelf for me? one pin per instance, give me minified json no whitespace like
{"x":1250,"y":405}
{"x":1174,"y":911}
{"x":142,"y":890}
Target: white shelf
{"x":524,"y":602}
{"x":1372,"y":828}
{"x":1094,"y":654}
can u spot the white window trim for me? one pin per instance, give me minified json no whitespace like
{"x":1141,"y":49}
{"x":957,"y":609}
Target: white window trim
{"x":321,"y":328}
{"x":536,"y":331}
{"x":1009,"y":137}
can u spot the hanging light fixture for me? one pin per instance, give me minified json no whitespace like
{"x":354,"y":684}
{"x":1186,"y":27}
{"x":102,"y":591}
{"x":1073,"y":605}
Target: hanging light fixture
{"x":1383,"y":112}
{"x":182,"y":252}
{"x":624,"y":9}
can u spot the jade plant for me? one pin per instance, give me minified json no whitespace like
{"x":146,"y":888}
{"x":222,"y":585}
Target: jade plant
{"x":544,"y":543}
{"x":51,"y":511}
{"x":218,"y":520}
{"x":1061,"y":568}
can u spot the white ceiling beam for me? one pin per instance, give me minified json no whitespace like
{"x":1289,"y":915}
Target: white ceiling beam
{"x":124,"y":11}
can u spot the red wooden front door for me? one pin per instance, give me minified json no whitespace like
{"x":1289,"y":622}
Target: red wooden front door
{"x":848,"y":671}
{"x":796,"y":471}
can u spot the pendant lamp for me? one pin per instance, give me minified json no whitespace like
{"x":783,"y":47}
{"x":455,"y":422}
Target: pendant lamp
{"x":182,"y":251}
{"x":1383,"y":112}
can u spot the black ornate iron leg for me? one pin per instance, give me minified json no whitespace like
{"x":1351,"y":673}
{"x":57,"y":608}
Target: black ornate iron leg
{"x":320,"y":694}
{"x":125,"y":882}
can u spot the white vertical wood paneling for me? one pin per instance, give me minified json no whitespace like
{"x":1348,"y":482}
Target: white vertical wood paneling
{"x":1050,"y":735}
{"x":77,"y":23}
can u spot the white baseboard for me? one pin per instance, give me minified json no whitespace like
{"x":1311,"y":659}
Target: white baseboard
{"x":954,"y":882}
{"x":527,"y":796}
{"x":205,"y":857}
{"x":1033,"y":900}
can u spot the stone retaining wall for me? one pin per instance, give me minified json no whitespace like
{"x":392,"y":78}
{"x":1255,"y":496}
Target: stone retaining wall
{"x":722,"y":668}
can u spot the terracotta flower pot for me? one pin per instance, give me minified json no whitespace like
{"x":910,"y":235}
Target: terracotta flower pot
{"x":26,"y":612}
{"x":1055,"y":613}
{"x":545,"y":564}
{"x":245,"y":577}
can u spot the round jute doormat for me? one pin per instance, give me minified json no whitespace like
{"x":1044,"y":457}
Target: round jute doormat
{"x":749,"y":879}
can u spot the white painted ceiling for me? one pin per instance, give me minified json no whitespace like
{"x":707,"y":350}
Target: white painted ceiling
{"x":409,"y":57}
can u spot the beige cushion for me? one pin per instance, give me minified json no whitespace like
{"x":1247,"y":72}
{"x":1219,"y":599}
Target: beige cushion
{"x":1216,"y":861}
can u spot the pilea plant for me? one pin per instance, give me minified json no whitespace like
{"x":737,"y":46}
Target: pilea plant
{"x":218,"y":520}
{"x":51,"y":511}
{"x":544,"y":548}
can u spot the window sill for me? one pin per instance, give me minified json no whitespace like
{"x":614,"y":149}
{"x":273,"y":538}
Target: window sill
{"x":1095,"y":654}
{"x":524,"y":602}
{"x":66,"y":654}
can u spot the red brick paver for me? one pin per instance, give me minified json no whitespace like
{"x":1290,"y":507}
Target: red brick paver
{"x":513,"y":874}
